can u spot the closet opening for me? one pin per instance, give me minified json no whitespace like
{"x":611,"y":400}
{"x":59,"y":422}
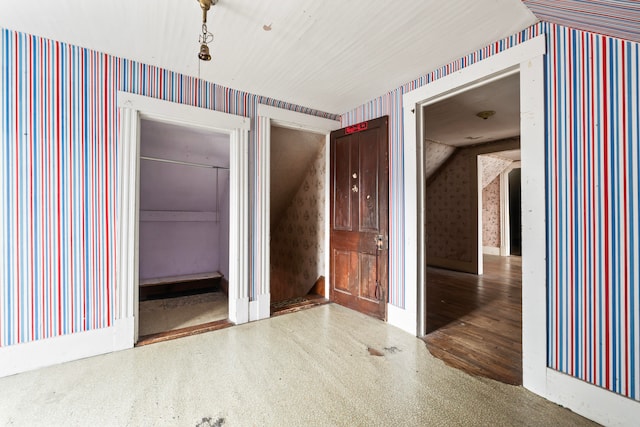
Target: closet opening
{"x":183,"y":231}
{"x":297,"y":219}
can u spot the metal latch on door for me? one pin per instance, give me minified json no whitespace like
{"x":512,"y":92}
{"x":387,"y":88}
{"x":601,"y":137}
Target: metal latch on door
{"x":381,"y":242}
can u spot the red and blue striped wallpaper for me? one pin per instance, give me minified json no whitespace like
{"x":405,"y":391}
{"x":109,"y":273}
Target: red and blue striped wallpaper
{"x":593,"y":157}
{"x":617,"y":18}
{"x":58,"y":173}
{"x":593,"y":199}
{"x":58,"y":189}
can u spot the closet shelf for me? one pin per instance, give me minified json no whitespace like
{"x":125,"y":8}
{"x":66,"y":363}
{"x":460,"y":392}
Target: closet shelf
{"x":179,"y":216}
{"x":184,"y":278}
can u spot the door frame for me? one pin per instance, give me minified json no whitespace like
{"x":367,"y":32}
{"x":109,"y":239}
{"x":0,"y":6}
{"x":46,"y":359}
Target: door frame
{"x":133,"y":108}
{"x":259,"y":307}
{"x":526,"y":59}
{"x":505,"y":220}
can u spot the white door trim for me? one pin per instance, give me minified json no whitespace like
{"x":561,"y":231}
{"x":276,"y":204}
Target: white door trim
{"x":480,"y":256}
{"x":525,"y":58}
{"x":268,"y":116}
{"x":133,"y":108}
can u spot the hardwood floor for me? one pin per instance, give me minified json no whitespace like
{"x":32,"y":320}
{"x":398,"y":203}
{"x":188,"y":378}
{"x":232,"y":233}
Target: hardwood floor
{"x":474,"y":323}
{"x":296,"y":304}
{"x":183,"y":332}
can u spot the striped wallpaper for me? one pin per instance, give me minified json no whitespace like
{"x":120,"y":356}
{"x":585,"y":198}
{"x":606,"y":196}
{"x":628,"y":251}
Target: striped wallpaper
{"x":391,"y":104}
{"x":617,"y":18}
{"x":59,"y":179}
{"x":593,"y":192}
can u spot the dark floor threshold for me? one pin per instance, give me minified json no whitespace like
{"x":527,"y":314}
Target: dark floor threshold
{"x":180,"y":289}
{"x":297,"y":304}
{"x":183,"y":332}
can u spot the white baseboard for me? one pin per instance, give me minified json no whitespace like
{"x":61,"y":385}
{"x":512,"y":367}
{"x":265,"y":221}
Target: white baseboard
{"x":239,"y":310}
{"x":590,"y":401}
{"x":260,"y":308}
{"x":491,"y":250}
{"x":52,"y":351}
{"x":402,"y":319}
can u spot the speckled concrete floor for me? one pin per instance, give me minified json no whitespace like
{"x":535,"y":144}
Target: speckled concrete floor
{"x":308,"y":368}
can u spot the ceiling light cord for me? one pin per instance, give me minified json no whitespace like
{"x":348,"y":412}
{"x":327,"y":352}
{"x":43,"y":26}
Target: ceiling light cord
{"x":206,"y":37}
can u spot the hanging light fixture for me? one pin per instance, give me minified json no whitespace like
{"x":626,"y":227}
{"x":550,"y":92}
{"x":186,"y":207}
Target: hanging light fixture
{"x":206,"y":37}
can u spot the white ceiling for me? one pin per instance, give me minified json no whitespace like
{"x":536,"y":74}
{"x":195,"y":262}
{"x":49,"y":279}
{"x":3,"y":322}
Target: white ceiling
{"x":332,"y":55}
{"x":453,"y":121}
{"x":182,"y":143}
{"x":177,"y":187}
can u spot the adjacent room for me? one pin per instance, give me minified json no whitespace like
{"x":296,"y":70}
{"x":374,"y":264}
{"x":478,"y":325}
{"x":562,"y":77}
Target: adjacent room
{"x":474,"y":281}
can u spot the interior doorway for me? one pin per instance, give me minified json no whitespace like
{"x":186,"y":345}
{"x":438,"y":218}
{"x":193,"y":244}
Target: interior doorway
{"x":515,"y":212}
{"x":473,"y":295}
{"x":183,"y":230}
{"x":297,"y":219}
{"x":273,"y":118}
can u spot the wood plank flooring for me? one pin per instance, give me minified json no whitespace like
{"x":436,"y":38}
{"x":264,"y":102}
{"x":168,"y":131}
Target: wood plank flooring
{"x":183,"y":332}
{"x":474,"y":323}
{"x":293,"y":305}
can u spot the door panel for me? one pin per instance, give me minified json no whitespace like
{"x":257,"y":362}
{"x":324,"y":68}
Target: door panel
{"x":368,"y":189}
{"x":342,"y":271}
{"x":342,"y":186}
{"x":359,"y":217}
{"x":368,"y":277}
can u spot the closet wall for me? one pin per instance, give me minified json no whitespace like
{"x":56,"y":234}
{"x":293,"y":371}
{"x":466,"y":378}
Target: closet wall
{"x":183,"y":208}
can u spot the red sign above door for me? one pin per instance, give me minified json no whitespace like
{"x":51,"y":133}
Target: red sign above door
{"x":356,"y":128}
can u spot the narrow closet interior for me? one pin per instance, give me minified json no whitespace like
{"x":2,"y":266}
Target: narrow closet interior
{"x":183,"y":228}
{"x":298,"y":220}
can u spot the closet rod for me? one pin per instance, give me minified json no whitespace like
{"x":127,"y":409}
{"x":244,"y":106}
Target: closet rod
{"x":178,"y":162}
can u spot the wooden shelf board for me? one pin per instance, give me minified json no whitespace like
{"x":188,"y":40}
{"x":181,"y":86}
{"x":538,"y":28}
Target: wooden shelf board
{"x":183,"y":332}
{"x":184,"y":278}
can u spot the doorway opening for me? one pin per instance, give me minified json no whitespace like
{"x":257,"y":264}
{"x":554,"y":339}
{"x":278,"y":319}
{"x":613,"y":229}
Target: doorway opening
{"x":515,"y":212}
{"x":473,"y":287}
{"x":183,"y":230}
{"x":304,"y":133}
{"x":297,"y":219}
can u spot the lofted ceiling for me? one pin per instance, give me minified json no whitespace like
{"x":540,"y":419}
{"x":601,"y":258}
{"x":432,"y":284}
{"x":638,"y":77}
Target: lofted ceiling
{"x":615,"y":18}
{"x":331,"y":55}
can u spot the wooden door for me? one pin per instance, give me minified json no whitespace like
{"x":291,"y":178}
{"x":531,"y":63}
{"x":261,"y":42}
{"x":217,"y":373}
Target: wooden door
{"x":359,"y":217}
